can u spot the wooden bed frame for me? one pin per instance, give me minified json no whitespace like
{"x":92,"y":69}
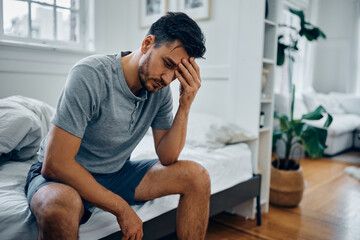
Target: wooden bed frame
{"x":164,"y":224}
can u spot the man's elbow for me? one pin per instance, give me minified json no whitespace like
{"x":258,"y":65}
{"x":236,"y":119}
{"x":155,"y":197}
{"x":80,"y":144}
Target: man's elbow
{"x":167,"y":157}
{"x":167,"y":161}
{"x":49,"y":169}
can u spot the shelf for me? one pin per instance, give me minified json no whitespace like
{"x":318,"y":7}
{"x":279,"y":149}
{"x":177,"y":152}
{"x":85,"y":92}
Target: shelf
{"x":270,"y":23}
{"x":264,"y":129}
{"x":266,"y":100}
{"x":268,"y":61}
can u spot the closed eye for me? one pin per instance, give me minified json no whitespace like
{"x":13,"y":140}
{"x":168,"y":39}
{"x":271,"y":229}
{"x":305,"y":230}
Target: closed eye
{"x":168,"y":65}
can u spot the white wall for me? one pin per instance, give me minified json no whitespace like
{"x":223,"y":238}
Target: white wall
{"x":34,"y":72}
{"x":231,"y":72}
{"x":336,"y":57}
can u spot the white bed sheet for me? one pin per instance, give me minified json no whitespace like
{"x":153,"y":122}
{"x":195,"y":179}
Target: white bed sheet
{"x":227,"y":167}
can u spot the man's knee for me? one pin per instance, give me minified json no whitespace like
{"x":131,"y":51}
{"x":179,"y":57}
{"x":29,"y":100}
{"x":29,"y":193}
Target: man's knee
{"x":199,"y":178}
{"x":57,"y":205}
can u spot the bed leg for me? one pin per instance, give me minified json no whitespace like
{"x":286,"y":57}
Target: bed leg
{"x":258,"y":203}
{"x":258,"y":211}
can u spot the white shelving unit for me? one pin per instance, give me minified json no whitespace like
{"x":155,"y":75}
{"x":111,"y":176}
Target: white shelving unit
{"x":256,"y":48}
{"x":267,"y":98}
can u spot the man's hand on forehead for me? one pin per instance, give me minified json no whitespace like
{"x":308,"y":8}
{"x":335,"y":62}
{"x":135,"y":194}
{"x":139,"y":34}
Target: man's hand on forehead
{"x":188,"y":74}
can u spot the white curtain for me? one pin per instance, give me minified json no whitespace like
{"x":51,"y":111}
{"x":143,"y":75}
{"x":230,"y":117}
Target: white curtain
{"x":282,"y":79}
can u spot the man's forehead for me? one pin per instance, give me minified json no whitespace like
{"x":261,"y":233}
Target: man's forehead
{"x":176,"y":52}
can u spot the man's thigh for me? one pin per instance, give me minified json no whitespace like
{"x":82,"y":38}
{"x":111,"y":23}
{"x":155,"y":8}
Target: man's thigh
{"x":163,"y":180}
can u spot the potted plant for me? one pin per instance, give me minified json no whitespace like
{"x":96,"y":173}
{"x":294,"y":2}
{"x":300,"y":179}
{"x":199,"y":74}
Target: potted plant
{"x":287,"y":183}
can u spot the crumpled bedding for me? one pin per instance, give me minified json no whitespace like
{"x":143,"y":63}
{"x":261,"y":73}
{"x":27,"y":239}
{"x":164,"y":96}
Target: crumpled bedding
{"x":23,"y":123}
{"x":16,"y":220}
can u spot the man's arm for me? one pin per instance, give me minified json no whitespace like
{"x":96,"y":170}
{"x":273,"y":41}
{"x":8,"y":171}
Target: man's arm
{"x":169,"y":143}
{"x":60,"y":165}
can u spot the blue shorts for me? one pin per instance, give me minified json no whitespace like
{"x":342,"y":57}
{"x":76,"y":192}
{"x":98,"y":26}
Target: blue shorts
{"x":122,"y":182}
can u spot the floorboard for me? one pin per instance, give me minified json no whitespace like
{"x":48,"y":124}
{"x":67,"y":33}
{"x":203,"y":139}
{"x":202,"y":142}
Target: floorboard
{"x":330,"y":209}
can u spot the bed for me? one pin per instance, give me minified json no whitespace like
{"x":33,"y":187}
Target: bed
{"x":218,"y":146}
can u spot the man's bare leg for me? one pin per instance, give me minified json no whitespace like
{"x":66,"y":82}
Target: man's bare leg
{"x":192,"y":182}
{"x":58,"y":209}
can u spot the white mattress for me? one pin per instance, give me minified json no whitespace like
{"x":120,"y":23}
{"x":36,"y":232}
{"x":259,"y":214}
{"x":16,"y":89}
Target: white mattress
{"x":227,"y":167}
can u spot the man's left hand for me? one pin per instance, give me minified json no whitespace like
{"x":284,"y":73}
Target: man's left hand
{"x":190,"y":81}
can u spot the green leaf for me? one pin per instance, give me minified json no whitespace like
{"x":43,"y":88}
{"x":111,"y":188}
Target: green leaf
{"x":281,"y":53}
{"x":322,"y":134}
{"x":284,"y":123}
{"x":276,"y":114}
{"x":300,"y":14}
{"x":328,"y":121}
{"x":315,"y":115}
{"x":298,"y":128}
{"x":318,"y":114}
{"x":313,"y":140}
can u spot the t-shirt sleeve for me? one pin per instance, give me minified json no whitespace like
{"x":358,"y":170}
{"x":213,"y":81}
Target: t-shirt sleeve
{"x":164,"y":117}
{"x":79,"y":100}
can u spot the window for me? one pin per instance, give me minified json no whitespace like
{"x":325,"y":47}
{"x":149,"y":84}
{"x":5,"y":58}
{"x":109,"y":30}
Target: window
{"x":49,"y":22}
{"x":296,"y":71}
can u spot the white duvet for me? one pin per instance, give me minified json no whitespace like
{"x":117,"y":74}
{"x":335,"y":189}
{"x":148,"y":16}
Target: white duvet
{"x":227,"y":166}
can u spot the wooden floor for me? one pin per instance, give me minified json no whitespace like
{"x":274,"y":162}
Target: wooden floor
{"x":330,"y":209}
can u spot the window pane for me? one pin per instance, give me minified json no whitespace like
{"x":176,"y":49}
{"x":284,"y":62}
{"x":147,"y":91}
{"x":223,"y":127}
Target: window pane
{"x":42,"y":21}
{"x":67,"y":29}
{"x":16,"y":22}
{"x":46,"y":1}
{"x":67,"y":3}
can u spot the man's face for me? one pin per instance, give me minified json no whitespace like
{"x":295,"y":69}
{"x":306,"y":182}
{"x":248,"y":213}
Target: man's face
{"x":158,"y":65}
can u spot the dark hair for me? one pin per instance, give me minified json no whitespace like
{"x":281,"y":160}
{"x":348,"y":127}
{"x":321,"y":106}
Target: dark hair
{"x":179,"y":26}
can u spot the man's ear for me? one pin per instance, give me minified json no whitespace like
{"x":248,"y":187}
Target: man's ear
{"x":147,"y":43}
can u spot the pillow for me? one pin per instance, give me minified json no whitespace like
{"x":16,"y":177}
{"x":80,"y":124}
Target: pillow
{"x":23,"y":123}
{"x":330,"y":103}
{"x":349,"y":102}
{"x":310,"y":99}
{"x":209,"y":131}
{"x":313,"y":100}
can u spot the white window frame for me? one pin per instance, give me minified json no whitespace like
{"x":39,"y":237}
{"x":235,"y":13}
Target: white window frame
{"x":85,"y":42}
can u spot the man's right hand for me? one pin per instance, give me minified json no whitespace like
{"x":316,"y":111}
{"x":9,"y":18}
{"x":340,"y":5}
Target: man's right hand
{"x":130,"y":224}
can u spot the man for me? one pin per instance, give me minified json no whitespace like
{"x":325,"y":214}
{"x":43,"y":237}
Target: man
{"x":105,"y":109}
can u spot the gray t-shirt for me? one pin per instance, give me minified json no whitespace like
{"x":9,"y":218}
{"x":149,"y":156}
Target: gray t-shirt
{"x":98,"y":106}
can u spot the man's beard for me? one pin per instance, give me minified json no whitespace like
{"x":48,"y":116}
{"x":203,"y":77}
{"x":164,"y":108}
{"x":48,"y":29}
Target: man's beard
{"x":143,"y":73}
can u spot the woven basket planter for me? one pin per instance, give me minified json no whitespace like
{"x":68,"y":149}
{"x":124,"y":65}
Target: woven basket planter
{"x":286,"y":187}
